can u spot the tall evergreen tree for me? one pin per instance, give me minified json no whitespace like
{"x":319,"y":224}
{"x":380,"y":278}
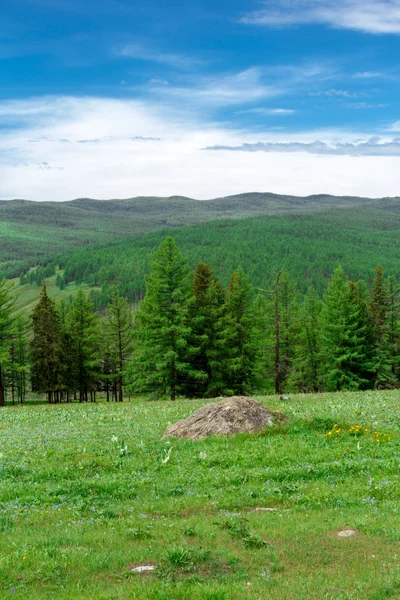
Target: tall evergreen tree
{"x":280,"y":326}
{"x":118,"y":334}
{"x":46,"y":348}
{"x":344,"y":335}
{"x":206,"y":318}
{"x":240,"y":334}
{"x":83,"y":329}
{"x":394,"y":326}
{"x":379,"y":314}
{"x":307,"y":362}
{"x":18,"y":365}
{"x":163,"y":352}
{"x":6,"y":331}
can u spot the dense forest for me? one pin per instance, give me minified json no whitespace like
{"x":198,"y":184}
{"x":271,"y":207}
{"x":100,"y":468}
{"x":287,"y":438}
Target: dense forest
{"x":308,"y":246}
{"x":194,"y":335}
{"x":34,"y":233}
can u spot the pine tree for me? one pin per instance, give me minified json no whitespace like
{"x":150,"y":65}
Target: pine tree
{"x":307,"y":361}
{"x":280,"y":325}
{"x":6,"y":331}
{"x":18,"y":359}
{"x":344,"y":337}
{"x":379,"y":314}
{"x":394,"y":326}
{"x":240,"y":334}
{"x":118,"y":336}
{"x":46,"y":348}
{"x":206,"y":318}
{"x":82,"y":325}
{"x":163,"y":352}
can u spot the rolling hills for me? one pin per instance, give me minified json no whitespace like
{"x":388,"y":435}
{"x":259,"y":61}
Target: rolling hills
{"x":101,"y":242}
{"x":33,"y":232}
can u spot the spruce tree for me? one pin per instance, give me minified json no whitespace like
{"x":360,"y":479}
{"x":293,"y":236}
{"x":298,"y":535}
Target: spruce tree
{"x":240,"y":335}
{"x":46,"y":348}
{"x":18,"y":366}
{"x":118,"y":336}
{"x":163,"y":352}
{"x":6,"y":331}
{"x":280,"y":326}
{"x":206,"y":318}
{"x":82,"y":325}
{"x":379,"y":314}
{"x":344,"y":337}
{"x":394,"y":326}
{"x":307,"y":361}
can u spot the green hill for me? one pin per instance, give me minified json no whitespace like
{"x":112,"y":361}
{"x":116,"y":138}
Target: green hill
{"x":27,"y":295}
{"x":33,"y":232}
{"x":309,"y":246}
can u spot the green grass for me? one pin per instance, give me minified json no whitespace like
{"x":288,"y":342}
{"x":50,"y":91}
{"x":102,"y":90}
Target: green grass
{"x":86,"y":494}
{"x":27,"y":296}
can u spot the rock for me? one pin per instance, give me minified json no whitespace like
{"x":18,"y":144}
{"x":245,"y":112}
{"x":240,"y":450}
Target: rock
{"x":237,"y":414}
{"x":347,"y":532}
{"x":142,"y":568}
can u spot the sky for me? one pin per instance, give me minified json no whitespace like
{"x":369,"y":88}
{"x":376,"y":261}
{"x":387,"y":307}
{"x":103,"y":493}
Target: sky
{"x":206,"y":98}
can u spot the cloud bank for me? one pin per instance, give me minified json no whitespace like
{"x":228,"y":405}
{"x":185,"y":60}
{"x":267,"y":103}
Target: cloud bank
{"x":68,"y":147}
{"x":368,"y":16}
{"x":372,"y":147}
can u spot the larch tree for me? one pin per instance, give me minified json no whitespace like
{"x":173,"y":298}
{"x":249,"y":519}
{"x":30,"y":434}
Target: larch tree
{"x":46,"y":348}
{"x":118,"y":337}
{"x":394,"y":326}
{"x":6,"y":331}
{"x":281,"y":328}
{"x":206,"y":319}
{"x":344,"y":335}
{"x":379,"y":306}
{"x":240,"y":339}
{"x":82,"y":325}
{"x":307,"y":362}
{"x":163,"y":351}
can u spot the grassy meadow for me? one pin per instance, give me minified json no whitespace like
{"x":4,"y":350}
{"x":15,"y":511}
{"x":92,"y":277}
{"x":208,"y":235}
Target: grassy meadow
{"x":27,"y":295}
{"x":88,"y":492}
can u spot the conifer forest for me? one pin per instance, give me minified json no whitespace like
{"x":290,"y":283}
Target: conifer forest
{"x":191,"y":336}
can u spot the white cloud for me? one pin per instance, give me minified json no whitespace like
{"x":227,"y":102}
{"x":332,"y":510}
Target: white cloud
{"x":175,"y":60}
{"x":267,"y":111}
{"x":369,"y":75}
{"x":225,"y":90}
{"x":337,"y":93}
{"x":369,"y":16}
{"x":371,"y":147}
{"x":134,"y":148}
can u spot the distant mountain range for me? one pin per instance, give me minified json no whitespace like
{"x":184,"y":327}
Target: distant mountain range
{"x":31,"y":232}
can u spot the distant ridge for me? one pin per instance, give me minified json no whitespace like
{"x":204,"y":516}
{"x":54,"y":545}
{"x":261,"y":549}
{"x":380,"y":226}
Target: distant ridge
{"x":33,"y":232}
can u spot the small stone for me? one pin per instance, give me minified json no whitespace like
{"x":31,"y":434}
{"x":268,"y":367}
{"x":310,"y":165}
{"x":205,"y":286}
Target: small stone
{"x":143,"y":569}
{"x":262,"y":509}
{"x":347,"y":532}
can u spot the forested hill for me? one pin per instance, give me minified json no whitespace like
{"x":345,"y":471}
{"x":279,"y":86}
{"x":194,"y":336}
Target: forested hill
{"x":308,"y":246}
{"x":33,"y":232}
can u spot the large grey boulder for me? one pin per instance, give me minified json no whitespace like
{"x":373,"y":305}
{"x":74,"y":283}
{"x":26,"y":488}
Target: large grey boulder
{"x":237,"y":414}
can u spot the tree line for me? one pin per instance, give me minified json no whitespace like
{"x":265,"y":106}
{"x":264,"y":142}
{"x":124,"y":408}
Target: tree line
{"x":193,"y":337}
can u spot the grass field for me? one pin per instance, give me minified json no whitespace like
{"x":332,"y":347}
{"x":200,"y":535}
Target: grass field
{"x":87,"y":492}
{"x":27,"y":295}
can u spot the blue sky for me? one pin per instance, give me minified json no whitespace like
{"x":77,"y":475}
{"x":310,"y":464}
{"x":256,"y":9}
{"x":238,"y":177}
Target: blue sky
{"x":122,"y":98}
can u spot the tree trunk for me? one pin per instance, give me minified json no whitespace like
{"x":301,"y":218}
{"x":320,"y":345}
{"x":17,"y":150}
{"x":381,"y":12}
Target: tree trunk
{"x":121,"y":364}
{"x":173,"y":384}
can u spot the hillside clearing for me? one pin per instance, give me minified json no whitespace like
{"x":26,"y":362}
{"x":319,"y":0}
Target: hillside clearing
{"x":88,"y":495}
